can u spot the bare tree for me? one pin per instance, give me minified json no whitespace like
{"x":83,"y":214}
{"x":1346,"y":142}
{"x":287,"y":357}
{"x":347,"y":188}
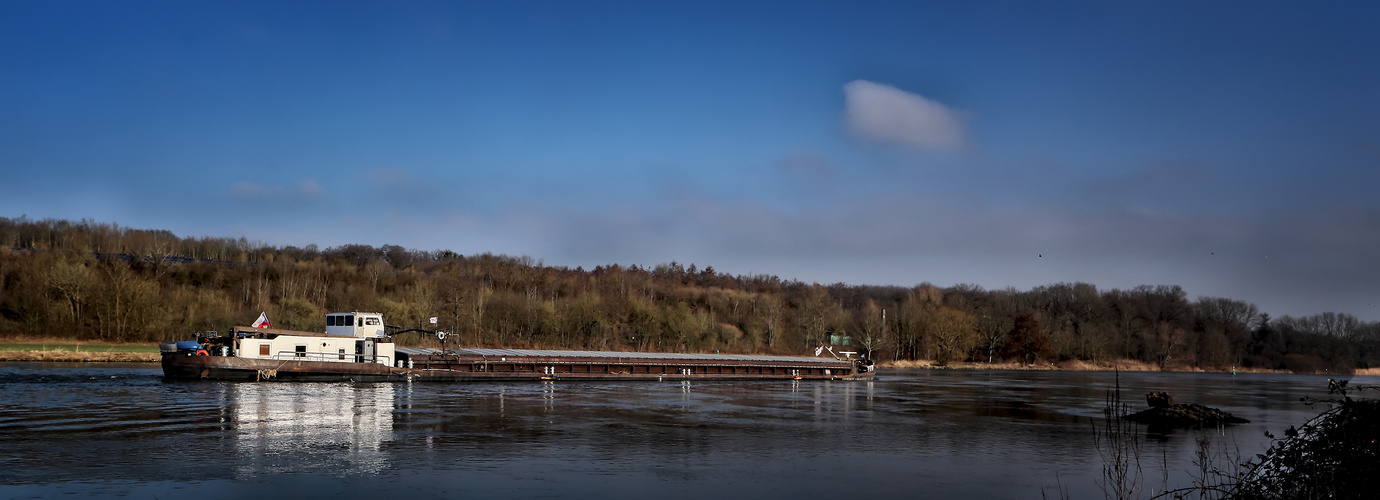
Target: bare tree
{"x":874,"y":330}
{"x":993,"y":332}
{"x":815,"y":311}
{"x":768,"y":309}
{"x":1165,"y":342}
{"x":73,"y":282}
{"x":952,"y":332}
{"x":377,"y":268}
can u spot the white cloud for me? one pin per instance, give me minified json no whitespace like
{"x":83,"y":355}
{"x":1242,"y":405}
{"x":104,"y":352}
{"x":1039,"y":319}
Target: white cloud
{"x":887,"y":114}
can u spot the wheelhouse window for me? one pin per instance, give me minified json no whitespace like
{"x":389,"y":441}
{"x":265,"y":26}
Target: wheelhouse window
{"x":349,"y":320}
{"x":330,"y":320}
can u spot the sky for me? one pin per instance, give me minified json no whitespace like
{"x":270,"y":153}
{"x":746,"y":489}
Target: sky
{"x":1229,"y":147}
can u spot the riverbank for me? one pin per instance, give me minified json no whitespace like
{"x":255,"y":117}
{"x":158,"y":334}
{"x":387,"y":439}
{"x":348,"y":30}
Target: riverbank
{"x":1075,"y":366}
{"x":79,"y":357}
{"x":70,"y":351}
{"x":74,"y":351}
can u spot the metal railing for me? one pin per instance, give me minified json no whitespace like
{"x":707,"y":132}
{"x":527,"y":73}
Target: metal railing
{"x":333,"y":357}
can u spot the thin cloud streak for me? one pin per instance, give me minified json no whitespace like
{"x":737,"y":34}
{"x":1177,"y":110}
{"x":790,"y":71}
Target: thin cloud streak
{"x":306,"y":189}
{"x":806,"y":164}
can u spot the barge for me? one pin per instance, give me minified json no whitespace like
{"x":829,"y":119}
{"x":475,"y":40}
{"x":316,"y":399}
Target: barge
{"x":356,"y":348}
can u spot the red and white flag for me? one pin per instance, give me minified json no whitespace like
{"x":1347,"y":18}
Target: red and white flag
{"x":262,"y":322}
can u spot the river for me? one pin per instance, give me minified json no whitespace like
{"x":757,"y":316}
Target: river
{"x":97,"y":430}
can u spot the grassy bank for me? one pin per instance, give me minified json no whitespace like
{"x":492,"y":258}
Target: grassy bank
{"x":64,"y":350}
{"x":1076,"y":365}
{"x":79,"y":357}
{"x":67,"y":350}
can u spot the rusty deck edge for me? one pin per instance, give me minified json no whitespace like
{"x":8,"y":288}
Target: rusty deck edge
{"x":180,"y":367}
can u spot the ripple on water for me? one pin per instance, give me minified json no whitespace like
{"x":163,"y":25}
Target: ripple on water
{"x":109,"y":431}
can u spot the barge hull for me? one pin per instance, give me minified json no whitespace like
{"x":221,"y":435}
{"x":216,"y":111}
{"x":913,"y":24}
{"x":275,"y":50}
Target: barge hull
{"x":444,"y":367}
{"x":181,"y":366}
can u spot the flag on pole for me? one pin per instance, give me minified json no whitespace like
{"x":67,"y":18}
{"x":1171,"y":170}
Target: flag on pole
{"x":433,"y":320}
{"x":262,"y":322}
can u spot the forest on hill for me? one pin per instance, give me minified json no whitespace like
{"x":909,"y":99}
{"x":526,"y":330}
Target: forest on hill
{"x":100,"y":281}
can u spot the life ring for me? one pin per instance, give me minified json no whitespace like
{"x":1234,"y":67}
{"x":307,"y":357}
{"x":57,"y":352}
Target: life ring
{"x":202,"y":352}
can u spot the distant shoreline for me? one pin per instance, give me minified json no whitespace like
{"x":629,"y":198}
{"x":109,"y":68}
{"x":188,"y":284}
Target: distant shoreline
{"x":78,"y":357}
{"x":57,"y":350}
{"x":65,"y":356}
{"x":1079,"y":366}
{"x":75,"y":351}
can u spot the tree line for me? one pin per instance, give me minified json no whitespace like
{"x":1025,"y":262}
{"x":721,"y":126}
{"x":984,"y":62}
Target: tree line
{"x":100,"y":281}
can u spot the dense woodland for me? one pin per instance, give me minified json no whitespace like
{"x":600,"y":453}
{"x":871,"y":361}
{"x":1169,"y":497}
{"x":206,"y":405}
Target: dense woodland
{"x":100,"y":281}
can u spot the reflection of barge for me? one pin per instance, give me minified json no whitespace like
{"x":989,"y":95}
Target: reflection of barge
{"x":355,"y":347}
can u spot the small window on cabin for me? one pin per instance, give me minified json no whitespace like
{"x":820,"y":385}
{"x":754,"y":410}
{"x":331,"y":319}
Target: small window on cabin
{"x":301,"y":351}
{"x":330,"y":320}
{"x":371,"y":321}
{"x":263,"y":349}
{"x":342,"y":353}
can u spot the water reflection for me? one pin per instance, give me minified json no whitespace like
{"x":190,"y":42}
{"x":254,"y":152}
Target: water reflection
{"x":326,"y":428}
{"x":103,"y":431}
{"x":548,"y":396}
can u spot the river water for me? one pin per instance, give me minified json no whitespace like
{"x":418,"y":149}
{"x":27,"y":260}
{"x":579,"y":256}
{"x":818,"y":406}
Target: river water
{"x":94,"y":430}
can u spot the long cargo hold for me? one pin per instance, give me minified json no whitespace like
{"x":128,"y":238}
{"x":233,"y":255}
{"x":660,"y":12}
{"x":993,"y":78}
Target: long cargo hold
{"x":354,"y":348}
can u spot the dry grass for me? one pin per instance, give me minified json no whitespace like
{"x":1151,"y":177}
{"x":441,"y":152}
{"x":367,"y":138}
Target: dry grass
{"x":50,"y":349}
{"x":31,"y":343}
{"x":82,"y":357}
{"x":1073,"y":365}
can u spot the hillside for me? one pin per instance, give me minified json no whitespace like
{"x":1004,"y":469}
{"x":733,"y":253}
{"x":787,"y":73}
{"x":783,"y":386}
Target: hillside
{"x":99,"y":281}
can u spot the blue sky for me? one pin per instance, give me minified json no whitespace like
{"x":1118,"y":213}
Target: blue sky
{"x":1232,"y":148}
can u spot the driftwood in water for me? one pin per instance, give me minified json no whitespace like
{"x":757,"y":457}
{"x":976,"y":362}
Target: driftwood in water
{"x":1159,"y":399}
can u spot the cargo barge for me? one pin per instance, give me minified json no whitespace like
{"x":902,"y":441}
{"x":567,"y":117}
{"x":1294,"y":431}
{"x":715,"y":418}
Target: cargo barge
{"x":356,"y":348}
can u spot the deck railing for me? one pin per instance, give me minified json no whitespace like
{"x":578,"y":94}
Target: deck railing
{"x":333,"y":357}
